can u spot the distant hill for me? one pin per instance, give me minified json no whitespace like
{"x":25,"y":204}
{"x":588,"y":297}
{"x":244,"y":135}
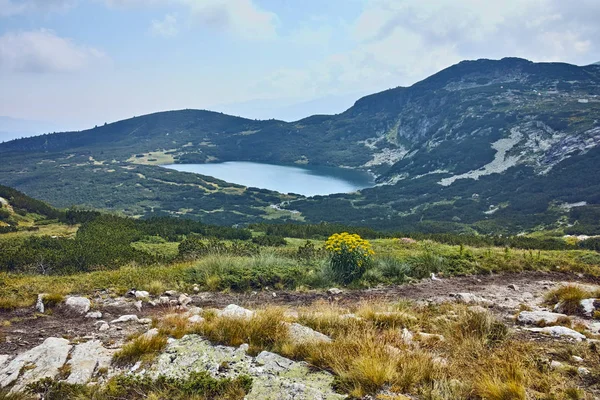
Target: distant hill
{"x":485,"y":146}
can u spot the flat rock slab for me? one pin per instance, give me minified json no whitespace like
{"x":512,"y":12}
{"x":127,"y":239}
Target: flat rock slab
{"x":274,"y":377}
{"x":43,"y":361}
{"x":537,"y":317}
{"x":559,"y":332}
{"x":86,"y":359}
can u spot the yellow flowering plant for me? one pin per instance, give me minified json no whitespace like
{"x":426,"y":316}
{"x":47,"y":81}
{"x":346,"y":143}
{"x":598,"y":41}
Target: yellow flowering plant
{"x":351,"y":255}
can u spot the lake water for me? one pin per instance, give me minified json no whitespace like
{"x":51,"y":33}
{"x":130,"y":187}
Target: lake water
{"x":305,"y":180}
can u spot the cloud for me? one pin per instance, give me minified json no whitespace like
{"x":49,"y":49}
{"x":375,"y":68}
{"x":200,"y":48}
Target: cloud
{"x":15,"y":7}
{"x":43,"y":51}
{"x":242,"y":18}
{"x":167,"y":27}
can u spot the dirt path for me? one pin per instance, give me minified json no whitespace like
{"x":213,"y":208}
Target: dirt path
{"x":23,"y":329}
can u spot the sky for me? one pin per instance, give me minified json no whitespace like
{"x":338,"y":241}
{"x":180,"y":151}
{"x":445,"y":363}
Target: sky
{"x":78,"y":63}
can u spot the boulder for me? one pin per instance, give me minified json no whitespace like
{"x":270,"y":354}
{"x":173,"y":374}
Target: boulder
{"x":184,"y":299}
{"x":560,"y":332}
{"x":78,"y":305}
{"x":234,"y":311}
{"x":43,"y":361}
{"x":163,"y":300}
{"x":539,"y":317}
{"x":39,"y":305}
{"x":303,"y":334}
{"x":125,"y":318}
{"x":87,"y":358}
{"x":94,"y":315}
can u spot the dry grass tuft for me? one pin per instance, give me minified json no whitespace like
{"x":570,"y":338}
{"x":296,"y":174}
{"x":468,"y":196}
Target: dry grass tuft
{"x":569,"y":297}
{"x":142,"y":348}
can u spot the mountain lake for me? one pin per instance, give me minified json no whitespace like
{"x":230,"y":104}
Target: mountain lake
{"x":304,"y":180}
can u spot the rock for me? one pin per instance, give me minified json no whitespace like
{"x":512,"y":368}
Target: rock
{"x":78,"y":305}
{"x":184,"y":300}
{"x":152,"y":303}
{"x":39,"y":305}
{"x":588,"y":307}
{"x":470,"y":298}
{"x":559,"y":332}
{"x":555,"y":364}
{"x":163,"y":300}
{"x":595,"y":328}
{"x":273,"y":377}
{"x":86,"y":358}
{"x":234,"y":311}
{"x":303,"y":334}
{"x":434,"y":278}
{"x":292,"y":314}
{"x":138,"y":305}
{"x":577,"y":359}
{"x":430,"y":337}
{"x":539,"y":317}
{"x":173,"y":303}
{"x":196,"y":289}
{"x":513,"y":287}
{"x":144,"y":321}
{"x":582,"y":371}
{"x":171,"y":293}
{"x":141,"y":294}
{"x":94,"y":315}
{"x":125,"y":318}
{"x":194,"y":311}
{"x":3,"y":359}
{"x":407,"y":336}
{"x":150,"y":334}
{"x":195,"y":319}
{"x":334,"y":291}
{"x":274,"y":294}
{"x":104,"y":327}
{"x":45,"y":361}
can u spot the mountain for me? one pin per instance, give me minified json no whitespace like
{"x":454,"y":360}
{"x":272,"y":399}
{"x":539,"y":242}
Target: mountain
{"x":491,"y":146}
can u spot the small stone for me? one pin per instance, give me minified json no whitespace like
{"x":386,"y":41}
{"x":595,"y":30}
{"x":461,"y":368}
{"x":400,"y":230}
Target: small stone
{"x":152,"y":303}
{"x":173,"y":303}
{"x":577,"y":359}
{"x":138,"y":305}
{"x":163,"y":300}
{"x":39,"y":305}
{"x":150,"y":334}
{"x":334,"y":291}
{"x":184,"y":300}
{"x":144,"y":321}
{"x":196,"y":289}
{"x":513,"y":287}
{"x":104,"y":327}
{"x":194,"y":311}
{"x":555,"y":364}
{"x":94,"y":315}
{"x":588,"y":307}
{"x":235,"y":311}
{"x":538,"y":317}
{"x":171,"y":293}
{"x":274,"y":294}
{"x":303,"y":334}
{"x":141,"y":294}
{"x":125,"y":318}
{"x":195,"y":319}
{"x":582,"y":371}
{"x":407,"y":336}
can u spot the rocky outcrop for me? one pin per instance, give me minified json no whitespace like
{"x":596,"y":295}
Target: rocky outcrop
{"x":273,"y":377}
{"x":86,"y":359}
{"x":43,"y":361}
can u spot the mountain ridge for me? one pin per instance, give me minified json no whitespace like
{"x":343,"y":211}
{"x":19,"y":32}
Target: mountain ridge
{"x":467,"y":125}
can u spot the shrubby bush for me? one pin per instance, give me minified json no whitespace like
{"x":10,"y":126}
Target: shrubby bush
{"x":351,"y":256}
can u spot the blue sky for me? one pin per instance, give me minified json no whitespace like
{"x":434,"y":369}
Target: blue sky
{"x":78,"y":63}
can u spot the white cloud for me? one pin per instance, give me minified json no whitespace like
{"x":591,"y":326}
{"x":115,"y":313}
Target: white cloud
{"x":43,"y":51}
{"x":166,"y":27}
{"x":243,"y":18}
{"x":15,"y":7}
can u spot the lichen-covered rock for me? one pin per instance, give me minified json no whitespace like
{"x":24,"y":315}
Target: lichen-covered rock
{"x":40,"y":362}
{"x":87,"y":358}
{"x":303,"y":334}
{"x":273,"y":377}
{"x":78,"y":305}
{"x":235,"y":311}
{"x":539,"y":317}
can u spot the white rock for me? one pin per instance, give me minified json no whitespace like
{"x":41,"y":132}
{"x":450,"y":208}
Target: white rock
{"x":559,"y":331}
{"x":163,"y":300}
{"x":196,"y":289}
{"x":303,"y":334}
{"x":85,"y":359}
{"x":138,"y":305}
{"x":144,"y":321}
{"x":46,"y":360}
{"x":431,"y":337}
{"x":407,"y":336}
{"x":434,"y":278}
{"x":577,"y":359}
{"x":538,"y":317}
{"x":125,"y":318}
{"x":582,"y":371}
{"x":194,"y":311}
{"x":595,"y":328}
{"x":78,"y":305}
{"x":39,"y":305}
{"x":94,"y":315}
{"x":171,"y":293}
{"x":556,"y":364}
{"x":150,"y":334}
{"x":3,"y":359}
{"x":195,"y":319}
{"x":141,"y":294}
{"x":234,"y":311}
{"x":104,"y":327}
{"x":513,"y":287}
{"x":184,"y":300}
{"x":587,"y":305}
{"x":334,"y":291}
